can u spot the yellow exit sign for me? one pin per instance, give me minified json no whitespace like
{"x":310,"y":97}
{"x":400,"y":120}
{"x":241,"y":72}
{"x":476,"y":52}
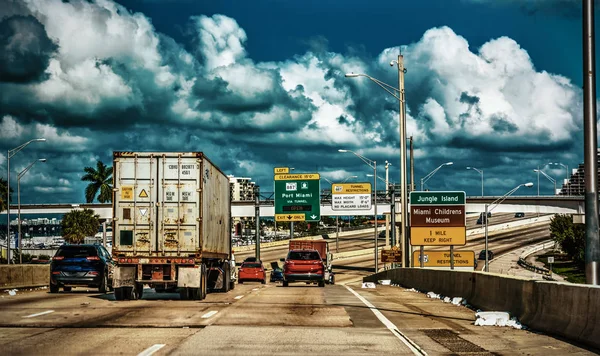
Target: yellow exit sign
{"x":281,"y":170}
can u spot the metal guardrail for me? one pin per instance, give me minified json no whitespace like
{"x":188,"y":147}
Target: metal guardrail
{"x":547,"y":274}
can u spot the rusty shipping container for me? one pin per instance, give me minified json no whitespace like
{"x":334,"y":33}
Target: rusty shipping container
{"x":171,"y":215}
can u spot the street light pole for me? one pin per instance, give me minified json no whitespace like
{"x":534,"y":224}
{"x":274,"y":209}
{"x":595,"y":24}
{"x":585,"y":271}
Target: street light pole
{"x":481,"y":173}
{"x":566,"y":175}
{"x":549,"y":178}
{"x":372,"y":164}
{"x":426,"y":178}
{"x":9,"y":154}
{"x":498,"y":201}
{"x":399,"y":94}
{"x":19,"y":205}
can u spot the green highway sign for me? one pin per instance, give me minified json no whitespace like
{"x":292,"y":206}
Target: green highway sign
{"x":297,"y":197}
{"x":437,"y":198}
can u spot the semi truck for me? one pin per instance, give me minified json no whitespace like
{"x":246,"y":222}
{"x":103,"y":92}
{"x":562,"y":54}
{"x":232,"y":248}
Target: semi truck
{"x":171,"y":225}
{"x":323,"y":248}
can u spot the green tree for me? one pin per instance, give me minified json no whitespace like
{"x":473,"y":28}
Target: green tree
{"x":101,"y":181}
{"x":569,"y":236}
{"x":78,"y":224}
{"x":3,"y":198}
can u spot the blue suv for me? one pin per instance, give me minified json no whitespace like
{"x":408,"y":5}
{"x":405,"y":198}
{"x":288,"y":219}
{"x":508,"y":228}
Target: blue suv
{"x":81,"y":265}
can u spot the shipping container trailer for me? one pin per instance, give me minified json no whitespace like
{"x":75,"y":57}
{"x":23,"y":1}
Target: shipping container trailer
{"x":171,"y":225}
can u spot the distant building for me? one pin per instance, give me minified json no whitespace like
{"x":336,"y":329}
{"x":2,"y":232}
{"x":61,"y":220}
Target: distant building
{"x":575,"y":185}
{"x":242,"y":189}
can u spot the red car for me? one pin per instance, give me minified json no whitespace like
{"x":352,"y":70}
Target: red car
{"x":303,"y":266}
{"x":252,"y":271}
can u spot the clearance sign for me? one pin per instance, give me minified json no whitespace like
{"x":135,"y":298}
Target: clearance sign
{"x":442,"y":258}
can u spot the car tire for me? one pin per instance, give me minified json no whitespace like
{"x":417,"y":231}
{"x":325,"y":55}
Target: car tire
{"x":67,"y":289}
{"x":321,"y":284}
{"x":285,"y":283}
{"x":240,"y":281}
{"x":53,"y":288}
{"x":232,"y":285}
{"x":263,"y":281}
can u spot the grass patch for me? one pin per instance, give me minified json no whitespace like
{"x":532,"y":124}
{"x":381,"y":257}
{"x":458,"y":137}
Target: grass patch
{"x":571,"y":271}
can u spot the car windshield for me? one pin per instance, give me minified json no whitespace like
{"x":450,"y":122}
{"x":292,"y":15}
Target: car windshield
{"x":76,"y":251}
{"x":304,"y":255}
{"x":251,"y":265}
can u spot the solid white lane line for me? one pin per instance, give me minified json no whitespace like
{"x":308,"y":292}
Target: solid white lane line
{"x":38,"y":314}
{"x":385,"y":321}
{"x":152,"y":349}
{"x":209,"y":314}
{"x":239,"y":297}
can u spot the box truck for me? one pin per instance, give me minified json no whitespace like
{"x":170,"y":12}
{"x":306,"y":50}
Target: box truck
{"x":323,"y":248}
{"x":171,"y":225}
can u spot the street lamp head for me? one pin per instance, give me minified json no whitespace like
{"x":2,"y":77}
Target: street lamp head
{"x":448,"y":163}
{"x":536,"y":170}
{"x":528,"y":185}
{"x":291,"y":169}
{"x":42,"y":160}
{"x":340,"y":150}
{"x":351,"y":75}
{"x":468,"y":167}
{"x":40,"y":140}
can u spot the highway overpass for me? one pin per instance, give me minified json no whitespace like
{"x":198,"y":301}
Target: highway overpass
{"x":526,"y":204}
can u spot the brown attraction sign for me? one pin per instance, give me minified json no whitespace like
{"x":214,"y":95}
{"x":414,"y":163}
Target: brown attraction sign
{"x":437,"y":216}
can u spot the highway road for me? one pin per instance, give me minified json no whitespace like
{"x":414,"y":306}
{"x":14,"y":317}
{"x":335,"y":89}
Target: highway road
{"x":256,"y":319}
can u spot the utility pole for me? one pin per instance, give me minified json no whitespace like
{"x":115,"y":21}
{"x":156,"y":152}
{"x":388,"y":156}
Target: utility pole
{"x":257,"y":220}
{"x":590,"y":140}
{"x":412,"y":166}
{"x":387,"y":217}
{"x":403,"y":192}
{"x":412,"y":189}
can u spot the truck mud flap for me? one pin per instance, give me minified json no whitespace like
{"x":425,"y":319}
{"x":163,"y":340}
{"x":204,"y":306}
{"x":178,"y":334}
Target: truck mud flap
{"x":124,"y":277}
{"x":216,"y":278}
{"x":189,"y":277}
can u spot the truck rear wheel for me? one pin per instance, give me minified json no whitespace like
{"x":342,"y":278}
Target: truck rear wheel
{"x":120,"y":293}
{"x":183,"y":293}
{"x":203,"y":281}
{"x":226,"y":277}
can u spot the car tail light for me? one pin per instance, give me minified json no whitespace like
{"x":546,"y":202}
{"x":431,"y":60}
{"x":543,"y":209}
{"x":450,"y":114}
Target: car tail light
{"x":58,"y":258}
{"x":93,"y":258}
{"x":93,"y":273}
{"x":55,"y":272}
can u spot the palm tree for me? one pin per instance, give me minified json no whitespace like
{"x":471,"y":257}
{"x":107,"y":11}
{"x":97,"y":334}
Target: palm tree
{"x":3,"y":198}
{"x":78,"y":224}
{"x":101,"y":180}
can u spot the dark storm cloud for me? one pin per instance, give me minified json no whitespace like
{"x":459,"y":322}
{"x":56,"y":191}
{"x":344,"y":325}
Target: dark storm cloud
{"x":465,"y":98}
{"x":501,"y":124}
{"x":564,"y":8}
{"x":25,"y":49}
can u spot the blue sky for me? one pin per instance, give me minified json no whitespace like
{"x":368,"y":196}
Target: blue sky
{"x":490,"y":84}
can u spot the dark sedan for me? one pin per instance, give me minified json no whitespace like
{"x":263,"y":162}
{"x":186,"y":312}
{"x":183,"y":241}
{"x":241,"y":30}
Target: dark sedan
{"x":81,"y":265}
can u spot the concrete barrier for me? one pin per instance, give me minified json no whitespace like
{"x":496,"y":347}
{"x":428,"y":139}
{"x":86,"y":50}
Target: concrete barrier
{"x":568,"y":310}
{"x":24,"y":276}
